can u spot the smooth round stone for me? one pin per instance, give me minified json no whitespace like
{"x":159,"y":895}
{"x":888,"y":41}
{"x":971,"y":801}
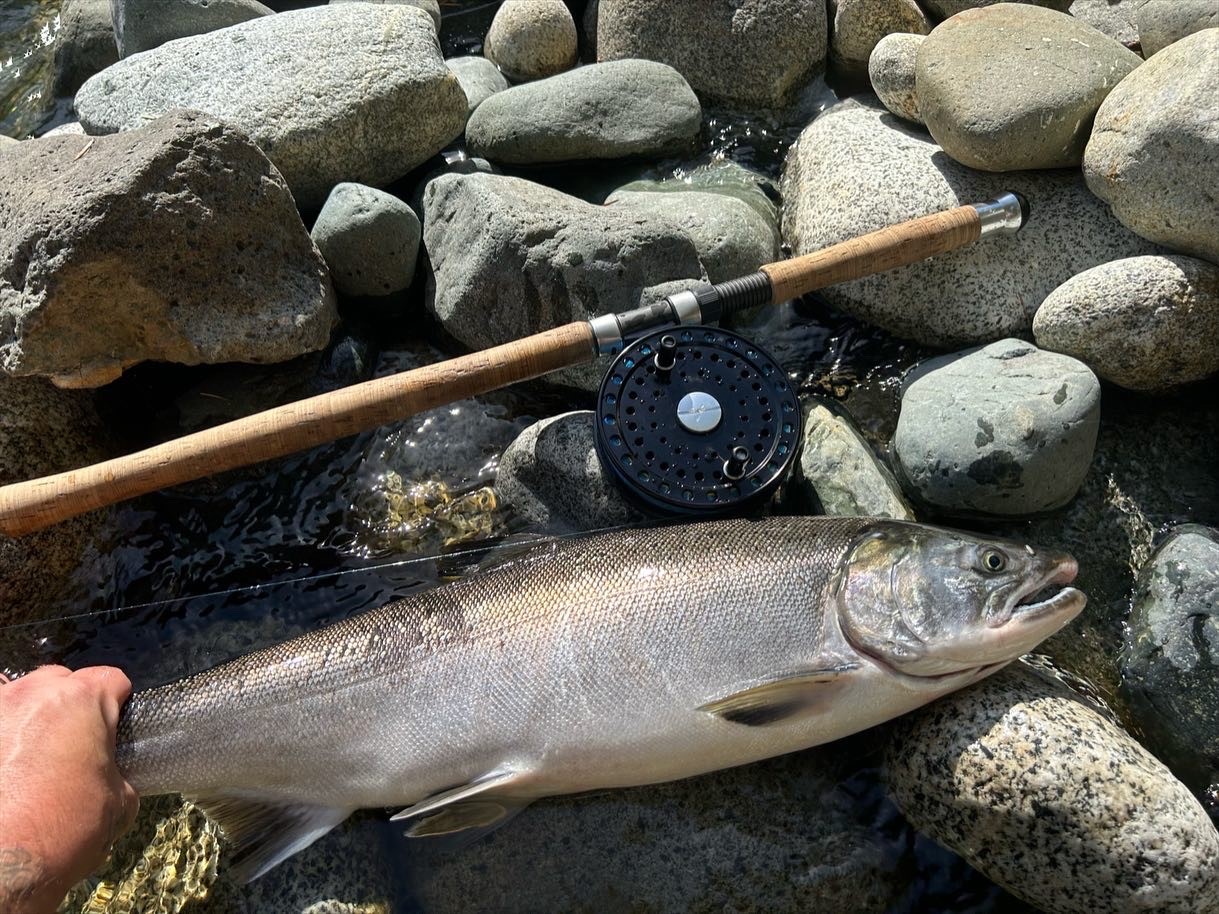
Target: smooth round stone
{"x":1053,"y":801}
{"x":1116,"y":18}
{"x":859,"y":24}
{"x":1006,"y":430}
{"x":891,"y":72}
{"x":532,"y":39}
{"x":479,"y":78}
{"x":1014,"y":86}
{"x":1146,"y":323}
{"x":369,"y":239}
{"x":431,"y":7}
{"x":942,"y":9}
{"x":1161,"y":24}
{"x":1154,"y":147}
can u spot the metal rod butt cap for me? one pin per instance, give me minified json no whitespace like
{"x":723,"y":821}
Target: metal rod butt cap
{"x":1006,"y":214}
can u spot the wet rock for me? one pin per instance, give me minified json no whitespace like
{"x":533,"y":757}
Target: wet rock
{"x":1170,"y":665}
{"x":1053,"y":801}
{"x":479,"y":78}
{"x":756,"y":54}
{"x":942,"y":9}
{"x":141,"y":25}
{"x":140,"y":246}
{"x":602,"y":111}
{"x":532,"y":39}
{"x":551,"y":476}
{"x":1014,"y":86}
{"x":857,"y":168}
{"x":1154,"y":146}
{"x":1146,"y":323}
{"x":719,"y":176}
{"x":431,"y":7}
{"x":838,"y":471}
{"x":381,"y":99}
{"x":1006,"y":429}
{"x":84,"y":44}
{"x":891,"y":72}
{"x":858,"y":25}
{"x":1115,"y":18}
{"x":369,"y":239}
{"x":1161,"y":24}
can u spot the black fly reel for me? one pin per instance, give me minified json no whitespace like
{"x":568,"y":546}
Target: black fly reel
{"x":697,"y":420}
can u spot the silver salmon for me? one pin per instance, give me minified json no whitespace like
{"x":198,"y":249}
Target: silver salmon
{"x":627,"y":658}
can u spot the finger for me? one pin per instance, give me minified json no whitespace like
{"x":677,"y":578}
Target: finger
{"x":129,"y":809}
{"x":50,"y":671}
{"x":112,"y":688}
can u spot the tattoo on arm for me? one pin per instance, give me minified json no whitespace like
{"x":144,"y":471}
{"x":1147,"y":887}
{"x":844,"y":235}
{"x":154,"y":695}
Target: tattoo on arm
{"x":19,"y":876}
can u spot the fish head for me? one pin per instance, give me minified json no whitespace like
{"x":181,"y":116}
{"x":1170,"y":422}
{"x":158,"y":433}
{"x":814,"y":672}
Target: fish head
{"x":929,"y":602}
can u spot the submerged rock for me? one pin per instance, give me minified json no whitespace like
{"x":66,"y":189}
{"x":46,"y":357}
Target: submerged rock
{"x":140,"y":246}
{"x":891,"y":72}
{"x":479,"y":78}
{"x":84,"y":44}
{"x":532,"y":39}
{"x":369,"y":239}
{"x":381,"y":100}
{"x":141,"y":25}
{"x":858,"y":25}
{"x":1053,"y":801}
{"x":1161,"y":24}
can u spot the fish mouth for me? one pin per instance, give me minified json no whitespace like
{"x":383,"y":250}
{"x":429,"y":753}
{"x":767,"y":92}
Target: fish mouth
{"x":1044,"y":597}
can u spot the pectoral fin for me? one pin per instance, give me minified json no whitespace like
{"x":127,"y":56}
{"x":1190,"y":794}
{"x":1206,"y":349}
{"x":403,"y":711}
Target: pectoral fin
{"x":480,"y":806}
{"x":780,"y":698}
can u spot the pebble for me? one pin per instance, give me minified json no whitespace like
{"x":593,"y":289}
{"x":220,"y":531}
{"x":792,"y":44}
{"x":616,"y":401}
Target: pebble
{"x":84,"y":44}
{"x":1053,"y":801}
{"x":1161,"y":24}
{"x":1145,"y":323}
{"x":891,"y":72}
{"x":532,"y":39}
{"x":943,"y":9}
{"x":1015,"y":86}
{"x":189,"y":263}
{"x":381,"y":100}
{"x":431,"y":7}
{"x":479,"y":78}
{"x":1004,"y":430}
{"x":860,"y":24}
{"x":642,"y":108}
{"x":141,"y":25}
{"x":755,"y":54}
{"x":1154,"y":147}
{"x":369,"y":239}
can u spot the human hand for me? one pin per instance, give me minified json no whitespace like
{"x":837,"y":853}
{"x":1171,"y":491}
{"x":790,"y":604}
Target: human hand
{"x":62,"y":799}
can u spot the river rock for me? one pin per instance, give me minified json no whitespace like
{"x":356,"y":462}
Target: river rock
{"x":381,"y":100}
{"x":1053,"y":801}
{"x":369,"y":239}
{"x":454,"y":162}
{"x":532,"y":39}
{"x":943,"y":9}
{"x":140,"y":246}
{"x":1006,"y":429}
{"x":141,"y":25}
{"x":1146,"y":323}
{"x":859,"y":24}
{"x":857,"y":168}
{"x":758,"y":53}
{"x":71,"y":128}
{"x":1161,"y":24}
{"x":891,"y":72}
{"x":602,"y":111}
{"x":1170,"y":665}
{"x":84,"y":44}
{"x":479,"y":78}
{"x":1014,"y":86}
{"x":1115,"y":18}
{"x":431,"y":7}
{"x":7,"y":142}
{"x":1154,"y":146}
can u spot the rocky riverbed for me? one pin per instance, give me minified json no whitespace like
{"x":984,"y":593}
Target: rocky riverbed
{"x":210,"y":208}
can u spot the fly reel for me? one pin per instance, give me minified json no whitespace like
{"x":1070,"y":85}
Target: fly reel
{"x":695,"y":420}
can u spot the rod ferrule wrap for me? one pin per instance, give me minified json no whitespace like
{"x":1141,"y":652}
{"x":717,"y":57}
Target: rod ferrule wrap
{"x":1004,"y":215}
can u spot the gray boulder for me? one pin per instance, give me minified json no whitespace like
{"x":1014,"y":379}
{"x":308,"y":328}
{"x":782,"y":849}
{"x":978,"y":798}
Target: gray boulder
{"x":71,"y":128}
{"x":1115,"y":18}
{"x":141,"y":25}
{"x":369,"y":239}
{"x":84,"y":44}
{"x":1146,"y":323}
{"x":551,"y":476}
{"x":857,"y":168}
{"x":1154,"y":146}
{"x":718,"y":176}
{"x":479,"y":78}
{"x":602,"y":111}
{"x":942,"y":9}
{"x":431,"y":7}
{"x":891,"y":72}
{"x":7,"y":142}
{"x":381,"y":100}
{"x":532,"y":39}
{"x":1161,"y":24}
{"x":752,"y":54}
{"x":1170,"y":667}
{"x":858,"y":25}
{"x":454,"y":163}
{"x":1053,"y":801}
{"x":1014,"y":86}
{"x":138,"y":246}
{"x":1005,"y":430}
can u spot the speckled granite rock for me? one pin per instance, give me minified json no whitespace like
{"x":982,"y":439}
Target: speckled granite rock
{"x":7,"y":142}
{"x":858,"y":25}
{"x":84,"y":44}
{"x":1053,"y":801}
{"x":187,"y":262}
{"x":381,"y":99}
{"x":891,"y":72}
{"x":551,"y":476}
{"x":857,"y":168}
{"x":71,"y":128}
{"x":532,"y":39}
{"x":141,"y":25}
{"x":601,"y":111}
{"x":1005,"y":429}
{"x":369,"y":239}
{"x":1146,"y":323}
{"x":1154,"y":146}
{"x":758,"y":53}
{"x":431,"y":7}
{"x":479,"y":78}
{"x":1161,"y":24}
{"x":1015,"y":86}
{"x":942,"y":9}
{"x":1171,"y":662}
{"x":1115,"y":18}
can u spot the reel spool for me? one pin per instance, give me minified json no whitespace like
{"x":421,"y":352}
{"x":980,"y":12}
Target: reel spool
{"x":697,"y":420}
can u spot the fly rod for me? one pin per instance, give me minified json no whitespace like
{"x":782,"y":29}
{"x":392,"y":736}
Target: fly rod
{"x":39,"y":503}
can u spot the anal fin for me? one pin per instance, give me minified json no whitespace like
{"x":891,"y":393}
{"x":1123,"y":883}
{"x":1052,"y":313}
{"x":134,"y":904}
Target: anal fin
{"x":779,"y":698}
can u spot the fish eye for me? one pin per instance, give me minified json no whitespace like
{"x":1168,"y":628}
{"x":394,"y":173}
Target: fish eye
{"x":994,"y":561}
